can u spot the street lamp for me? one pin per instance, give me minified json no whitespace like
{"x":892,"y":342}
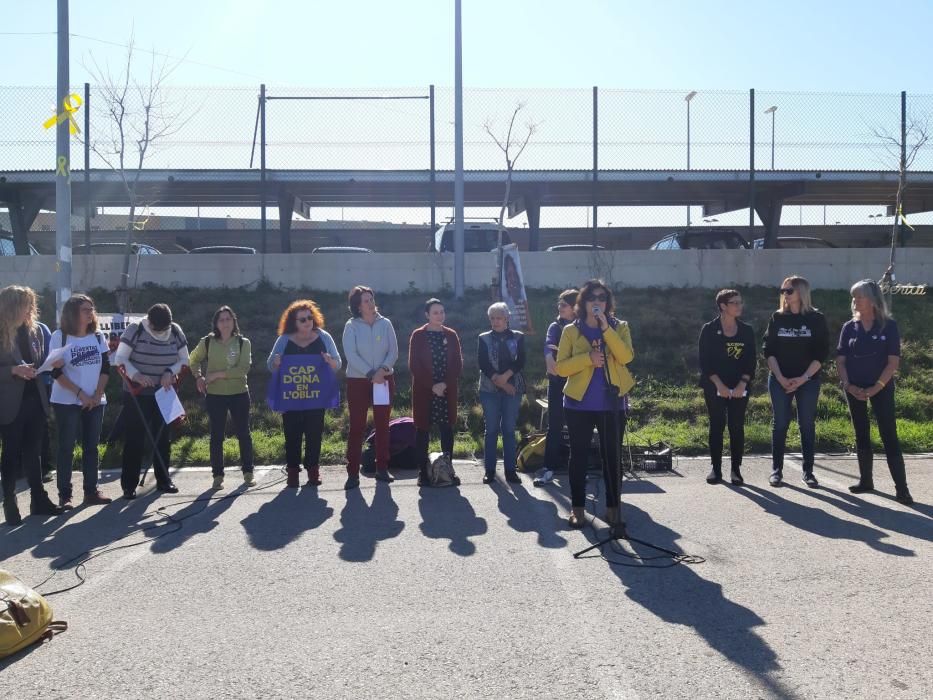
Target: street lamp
{"x":771,"y":110}
{"x":690,"y":95}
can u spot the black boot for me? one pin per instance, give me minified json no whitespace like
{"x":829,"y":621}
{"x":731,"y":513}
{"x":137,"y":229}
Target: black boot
{"x":736,"y":476}
{"x":41,"y":504}
{"x":865,"y":482}
{"x":715,"y":475}
{"x":11,"y":511}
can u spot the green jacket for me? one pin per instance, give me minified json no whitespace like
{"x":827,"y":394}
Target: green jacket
{"x":231,"y":357}
{"x":573,"y":359}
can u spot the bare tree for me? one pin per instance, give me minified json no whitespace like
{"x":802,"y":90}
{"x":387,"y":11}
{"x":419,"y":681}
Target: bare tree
{"x":139,"y":117}
{"x":903,"y":152}
{"x":512,"y":145}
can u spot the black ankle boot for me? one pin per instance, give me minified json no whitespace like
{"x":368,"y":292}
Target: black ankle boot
{"x":715,"y":476}
{"x":11,"y":511}
{"x":41,"y":504}
{"x":735,"y":476}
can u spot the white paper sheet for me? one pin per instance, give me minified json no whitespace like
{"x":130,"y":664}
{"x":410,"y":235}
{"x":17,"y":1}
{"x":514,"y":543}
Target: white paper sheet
{"x":169,"y":404}
{"x":54,"y":356}
{"x":381,"y":394}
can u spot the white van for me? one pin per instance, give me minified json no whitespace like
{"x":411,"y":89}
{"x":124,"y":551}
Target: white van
{"x":478,"y":237}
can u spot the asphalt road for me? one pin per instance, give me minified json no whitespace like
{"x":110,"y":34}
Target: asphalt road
{"x":397,"y":592}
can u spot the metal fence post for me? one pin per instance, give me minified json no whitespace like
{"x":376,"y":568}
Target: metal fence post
{"x":87,"y":166}
{"x":262,"y":165}
{"x":751,"y":164}
{"x":595,"y":162}
{"x":433,"y":168}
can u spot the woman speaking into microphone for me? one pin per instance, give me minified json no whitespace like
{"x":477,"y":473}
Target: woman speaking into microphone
{"x":593,"y":353}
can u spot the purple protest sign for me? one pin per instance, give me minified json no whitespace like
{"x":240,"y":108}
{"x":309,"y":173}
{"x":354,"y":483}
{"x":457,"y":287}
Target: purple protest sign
{"x":303,"y":382}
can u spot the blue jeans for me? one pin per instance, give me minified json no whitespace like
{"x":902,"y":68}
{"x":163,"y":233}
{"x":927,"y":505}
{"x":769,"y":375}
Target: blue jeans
{"x":500,"y":413}
{"x":807,"y":396}
{"x":73,"y":421}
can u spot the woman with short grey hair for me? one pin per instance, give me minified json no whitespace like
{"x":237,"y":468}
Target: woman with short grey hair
{"x":867,"y":356}
{"x":501,"y":358}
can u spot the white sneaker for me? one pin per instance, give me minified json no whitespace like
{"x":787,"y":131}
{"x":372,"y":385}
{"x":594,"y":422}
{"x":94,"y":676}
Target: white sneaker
{"x":543,"y":476}
{"x":249,"y":479}
{"x":218,"y":482}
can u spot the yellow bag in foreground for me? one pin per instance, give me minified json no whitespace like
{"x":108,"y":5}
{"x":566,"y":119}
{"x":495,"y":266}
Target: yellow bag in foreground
{"x":25,"y":616}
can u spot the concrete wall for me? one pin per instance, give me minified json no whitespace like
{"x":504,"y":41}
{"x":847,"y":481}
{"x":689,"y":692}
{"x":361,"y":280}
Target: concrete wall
{"x":397,"y":272}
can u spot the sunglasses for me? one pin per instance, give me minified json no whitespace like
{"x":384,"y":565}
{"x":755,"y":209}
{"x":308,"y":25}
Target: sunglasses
{"x":788,"y":290}
{"x":597,"y":297}
{"x":303,"y":319}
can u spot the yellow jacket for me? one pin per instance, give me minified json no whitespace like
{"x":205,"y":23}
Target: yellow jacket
{"x":573,"y":359}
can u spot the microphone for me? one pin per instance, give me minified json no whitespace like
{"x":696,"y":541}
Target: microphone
{"x":597,"y":310}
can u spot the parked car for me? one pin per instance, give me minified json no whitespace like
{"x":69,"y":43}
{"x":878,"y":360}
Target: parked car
{"x":702,"y":238}
{"x":224,"y":249}
{"x":114,"y":249}
{"x":796,"y":242}
{"x":572,"y":246}
{"x":7,"y":247}
{"x":478,"y":237}
{"x":341,"y":249}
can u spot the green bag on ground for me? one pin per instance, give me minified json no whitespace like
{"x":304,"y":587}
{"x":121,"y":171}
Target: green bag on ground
{"x":25,"y":616}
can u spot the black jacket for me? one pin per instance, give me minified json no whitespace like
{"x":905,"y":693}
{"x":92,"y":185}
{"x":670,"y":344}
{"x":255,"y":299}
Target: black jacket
{"x":729,"y":358}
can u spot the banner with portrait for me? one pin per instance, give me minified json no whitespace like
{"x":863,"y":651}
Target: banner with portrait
{"x":512,"y":288}
{"x":303,"y":382}
{"x":113,"y":325}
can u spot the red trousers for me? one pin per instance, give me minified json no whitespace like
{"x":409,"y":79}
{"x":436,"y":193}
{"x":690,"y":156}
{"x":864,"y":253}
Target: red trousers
{"x":359,"y":401}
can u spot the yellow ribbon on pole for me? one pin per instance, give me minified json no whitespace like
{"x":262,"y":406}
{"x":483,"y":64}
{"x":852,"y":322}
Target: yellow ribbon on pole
{"x":62,"y":168}
{"x":900,"y":213}
{"x":70,"y":105}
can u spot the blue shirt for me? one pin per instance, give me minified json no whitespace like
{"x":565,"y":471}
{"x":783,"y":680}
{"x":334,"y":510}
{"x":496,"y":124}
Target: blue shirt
{"x":867,"y":351}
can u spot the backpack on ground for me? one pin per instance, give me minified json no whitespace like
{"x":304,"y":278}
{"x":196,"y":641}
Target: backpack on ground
{"x":25,"y":616}
{"x":401,"y":446}
{"x":441,"y":470}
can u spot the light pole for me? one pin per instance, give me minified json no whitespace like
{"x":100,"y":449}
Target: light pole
{"x":771,"y":110}
{"x":690,"y":95}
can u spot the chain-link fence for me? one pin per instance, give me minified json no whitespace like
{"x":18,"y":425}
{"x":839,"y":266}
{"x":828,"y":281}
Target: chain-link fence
{"x":391,"y":129}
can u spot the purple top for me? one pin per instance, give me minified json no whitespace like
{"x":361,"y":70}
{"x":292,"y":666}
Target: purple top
{"x":552,"y":338}
{"x":596,"y":398}
{"x":867,"y":352}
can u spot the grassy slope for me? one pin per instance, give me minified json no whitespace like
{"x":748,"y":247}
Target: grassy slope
{"x":667,"y":405}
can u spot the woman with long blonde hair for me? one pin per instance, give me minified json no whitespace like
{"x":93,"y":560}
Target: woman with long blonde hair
{"x":796,"y":345}
{"x":867,"y":356}
{"x":25,"y":404}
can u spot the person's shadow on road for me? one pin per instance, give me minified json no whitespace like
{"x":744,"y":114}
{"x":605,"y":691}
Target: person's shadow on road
{"x":199,"y":517}
{"x":446,"y":514}
{"x":528,"y":514}
{"x":283,"y":519}
{"x":819,"y":522}
{"x":363,"y":526}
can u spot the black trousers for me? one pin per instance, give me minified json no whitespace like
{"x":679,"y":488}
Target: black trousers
{"x":22,"y":443}
{"x":137,"y":417}
{"x":237,"y":406}
{"x":723,"y":412}
{"x":580,"y":425}
{"x":882,"y":405}
{"x":422,"y":437}
{"x":307,"y":425}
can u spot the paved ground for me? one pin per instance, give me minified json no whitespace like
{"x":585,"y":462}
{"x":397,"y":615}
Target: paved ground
{"x":474,"y":592}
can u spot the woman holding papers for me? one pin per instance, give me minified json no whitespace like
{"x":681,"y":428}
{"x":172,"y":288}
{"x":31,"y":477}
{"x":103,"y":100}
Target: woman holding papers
{"x":152,"y":354}
{"x":435,"y":361}
{"x":24,"y":406}
{"x":727,"y":355}
{"x":78,"y":397}
{"x":220,"y":363}
{"x":301,"y":332}
{"x":371,"y":347}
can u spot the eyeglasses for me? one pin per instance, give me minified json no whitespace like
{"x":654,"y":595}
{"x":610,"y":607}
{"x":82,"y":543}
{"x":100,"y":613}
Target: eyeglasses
{"x":788,"y":290}
{"x":304,"y":319}
{"x":736,"y":302}
{"x":597,"y":297}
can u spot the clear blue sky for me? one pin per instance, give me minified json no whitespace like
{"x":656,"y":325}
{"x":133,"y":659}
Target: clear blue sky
{"x":714,"y":44}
